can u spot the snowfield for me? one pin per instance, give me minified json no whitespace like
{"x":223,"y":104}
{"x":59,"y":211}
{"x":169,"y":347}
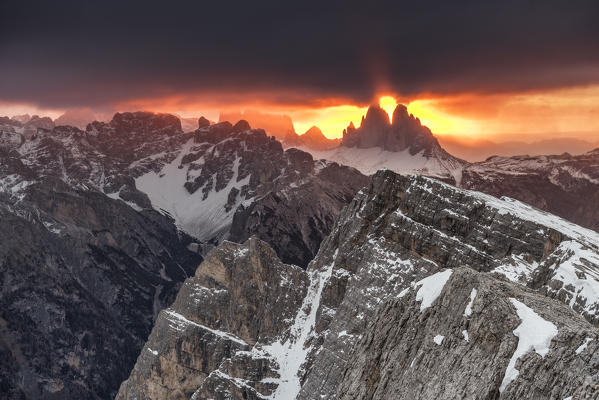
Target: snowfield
{"x":370,"y":160}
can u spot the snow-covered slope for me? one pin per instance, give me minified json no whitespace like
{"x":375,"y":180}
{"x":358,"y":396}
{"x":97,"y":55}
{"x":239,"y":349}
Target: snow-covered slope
{"x":564,"y":185}
{"x":205,"y":214}
{"x":369,"y":160}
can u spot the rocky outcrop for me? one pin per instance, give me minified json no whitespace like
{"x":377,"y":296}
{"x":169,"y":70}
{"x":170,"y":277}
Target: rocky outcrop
{"x":421,"y":290}
{"x":203,"y":122}
{"x":239,"y":296}
{"x":482,"y":338}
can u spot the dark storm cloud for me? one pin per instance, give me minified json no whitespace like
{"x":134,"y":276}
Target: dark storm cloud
{"x":64,"y":53}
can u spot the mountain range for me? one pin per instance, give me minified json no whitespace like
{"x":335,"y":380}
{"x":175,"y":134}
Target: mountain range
{"x":564,"y":185}
{"x":259,"y":270}
{"x":101,"y":226}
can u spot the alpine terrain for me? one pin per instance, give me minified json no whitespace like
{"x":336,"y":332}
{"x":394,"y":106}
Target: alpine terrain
{"x":565,"y":185}
{"x":101,"y":226}
{"x":421,"y":291}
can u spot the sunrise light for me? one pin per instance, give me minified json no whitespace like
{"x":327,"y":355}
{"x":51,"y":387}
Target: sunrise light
{"x":439,"y":122}
{"x":388,"y":103}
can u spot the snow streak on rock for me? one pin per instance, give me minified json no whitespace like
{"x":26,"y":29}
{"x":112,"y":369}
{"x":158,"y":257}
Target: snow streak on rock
{"x":292,"y":354}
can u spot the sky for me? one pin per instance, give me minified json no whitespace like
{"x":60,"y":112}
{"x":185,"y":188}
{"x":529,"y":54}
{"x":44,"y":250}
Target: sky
{"x":498,"y":70}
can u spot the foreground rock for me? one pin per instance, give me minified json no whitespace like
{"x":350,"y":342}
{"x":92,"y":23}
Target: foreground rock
{"x":239,"y":296}
{"x":397,"y":275}
{"x":482,"y":338}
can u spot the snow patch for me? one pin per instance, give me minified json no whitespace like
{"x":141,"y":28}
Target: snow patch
{"x":202,"y":218}
{"x":292,"y":354}
{"x":178,"y":322}
{"x":465,"y":334}
{"x":534,"y":333}
{"x":584,"y":345}
{"x":517,"y":269}
{"x":468,"y":310}
{"x":578,"y":270}
{"x":431,"y":287}
{"x":438,"y":339}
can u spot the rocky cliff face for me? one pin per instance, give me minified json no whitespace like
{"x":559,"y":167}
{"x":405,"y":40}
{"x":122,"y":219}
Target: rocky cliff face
{"x":241,"y":295}
{"x":82,"y":278}
{"x":421,"y":290}
{"x":564,"y":185}
{"x":482,"y":338}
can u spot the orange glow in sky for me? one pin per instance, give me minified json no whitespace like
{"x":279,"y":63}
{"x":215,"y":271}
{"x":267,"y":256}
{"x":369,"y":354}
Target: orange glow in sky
{"x":438,"y":121}
{"x":332,"y":120}
{"x":388,"y":103}
{"x":566,"y":112}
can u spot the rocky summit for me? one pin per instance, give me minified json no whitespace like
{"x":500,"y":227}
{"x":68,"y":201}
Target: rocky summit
{"x":421,"y":291}
{"x":403,"y":145}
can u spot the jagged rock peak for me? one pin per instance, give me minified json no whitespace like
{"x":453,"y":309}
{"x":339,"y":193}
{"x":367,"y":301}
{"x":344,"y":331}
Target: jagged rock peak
{"x":203,"y":122}
{"x":314,"y":132}
{"x":146,"y":122}
{"x":376,"y":118}
{"x":405,"y":132}
{"x":241,"y":126}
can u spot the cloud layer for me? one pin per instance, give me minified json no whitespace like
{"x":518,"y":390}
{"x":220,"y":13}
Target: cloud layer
{"x":76,"y":53}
